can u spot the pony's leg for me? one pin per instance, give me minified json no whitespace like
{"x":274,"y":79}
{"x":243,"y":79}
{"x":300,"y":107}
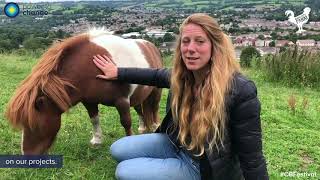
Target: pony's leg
{"x":123,"y":107}
{"x":94,"y":116}
{"x":142,"y":127}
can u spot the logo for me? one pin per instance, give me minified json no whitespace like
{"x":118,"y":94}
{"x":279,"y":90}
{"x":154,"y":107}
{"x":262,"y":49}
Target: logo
{"x":11,"y":10}
{"x":299,"y":20}
{"x":35,"y":9}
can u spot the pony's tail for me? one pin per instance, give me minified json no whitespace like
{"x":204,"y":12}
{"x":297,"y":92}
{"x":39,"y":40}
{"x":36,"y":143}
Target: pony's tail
{"x":150,"y":110}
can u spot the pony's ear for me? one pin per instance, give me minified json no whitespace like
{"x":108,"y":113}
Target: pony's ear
{"x":41,"y":103}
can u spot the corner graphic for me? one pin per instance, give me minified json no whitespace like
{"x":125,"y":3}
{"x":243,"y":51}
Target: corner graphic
{"x":11,"y":10}
{"x":299,"y":20}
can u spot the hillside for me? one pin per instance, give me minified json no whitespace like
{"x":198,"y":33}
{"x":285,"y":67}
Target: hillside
{"x":224,"y":4}
{"x":289,"y":138}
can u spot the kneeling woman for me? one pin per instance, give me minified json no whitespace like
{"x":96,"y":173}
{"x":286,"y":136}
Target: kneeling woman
{"x":212,"y":128}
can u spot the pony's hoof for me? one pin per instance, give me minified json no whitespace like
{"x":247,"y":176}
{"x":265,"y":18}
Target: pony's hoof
{"x":95,"y":142}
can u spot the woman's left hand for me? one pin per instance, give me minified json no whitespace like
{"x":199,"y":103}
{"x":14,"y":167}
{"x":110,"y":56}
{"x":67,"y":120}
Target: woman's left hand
{"x":107,"y":66}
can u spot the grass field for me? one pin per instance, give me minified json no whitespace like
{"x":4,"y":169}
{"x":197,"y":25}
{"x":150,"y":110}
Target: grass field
{"x":291,"y":139}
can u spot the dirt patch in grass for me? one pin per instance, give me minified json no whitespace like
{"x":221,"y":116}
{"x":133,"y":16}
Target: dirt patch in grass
{"x":306,"y":160}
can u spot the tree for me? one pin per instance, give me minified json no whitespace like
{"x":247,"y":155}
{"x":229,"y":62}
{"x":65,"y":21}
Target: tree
{"x":247,"y":54}
{"x":60,"y":34}
{"x":34,"y":43}
{"x":272,"y":44}
{"x":274,"y":35}
{"x":168,"y":37}
{"x":261,"y":37}
{"x":6,"y":45}
{"x":175,"y":30}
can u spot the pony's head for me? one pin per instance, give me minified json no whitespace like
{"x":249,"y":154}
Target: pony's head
{"x":39,"y":101}
{"x":37,"y":138}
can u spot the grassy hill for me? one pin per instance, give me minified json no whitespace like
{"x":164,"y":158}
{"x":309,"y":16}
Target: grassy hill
{"x":290,"y":139}
{"x":182,"y":4}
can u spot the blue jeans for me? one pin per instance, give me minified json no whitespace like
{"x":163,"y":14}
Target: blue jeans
{"x":152,"y":157}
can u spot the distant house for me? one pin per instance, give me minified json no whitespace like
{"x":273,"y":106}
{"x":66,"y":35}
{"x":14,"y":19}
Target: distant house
{"x":226,"y":26}
{"x":131,"y":35}
{"x":39,"y":18}
{"x":282,"y":43}
{"x":249,"y":42}
{"x":267,"y":42}
{"x":267,"y":36}
{"x":267,"y":50}
{"x":157,"y":33}
{"x":283,"y":33}
{"x":306,"y":43}
{"x":260,"y":43}
{"x":167,"y":46}
{"x":244,"y":41}
{"x":238,"y":41}
{"x":291,"y":43}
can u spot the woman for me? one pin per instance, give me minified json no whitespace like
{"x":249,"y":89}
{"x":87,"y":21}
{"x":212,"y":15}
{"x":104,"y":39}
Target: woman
{"x":212,"y":128}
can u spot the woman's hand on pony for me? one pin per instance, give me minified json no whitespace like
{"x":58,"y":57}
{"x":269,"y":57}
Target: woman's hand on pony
{"x":107,"y":66}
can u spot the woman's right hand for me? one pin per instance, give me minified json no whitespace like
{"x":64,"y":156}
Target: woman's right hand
{"x":107,"y":66}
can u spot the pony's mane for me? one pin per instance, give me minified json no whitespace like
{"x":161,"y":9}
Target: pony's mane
{"x":43,"y":80}
{"x":94,"y":32}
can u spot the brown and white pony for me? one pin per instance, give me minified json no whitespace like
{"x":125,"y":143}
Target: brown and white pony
{"x":66,"y":75}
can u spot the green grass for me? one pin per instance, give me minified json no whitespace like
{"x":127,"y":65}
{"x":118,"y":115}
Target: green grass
{"x":291,"y":140}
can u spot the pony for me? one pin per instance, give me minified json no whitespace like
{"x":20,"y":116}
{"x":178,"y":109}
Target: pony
{"x":66,"y":75}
